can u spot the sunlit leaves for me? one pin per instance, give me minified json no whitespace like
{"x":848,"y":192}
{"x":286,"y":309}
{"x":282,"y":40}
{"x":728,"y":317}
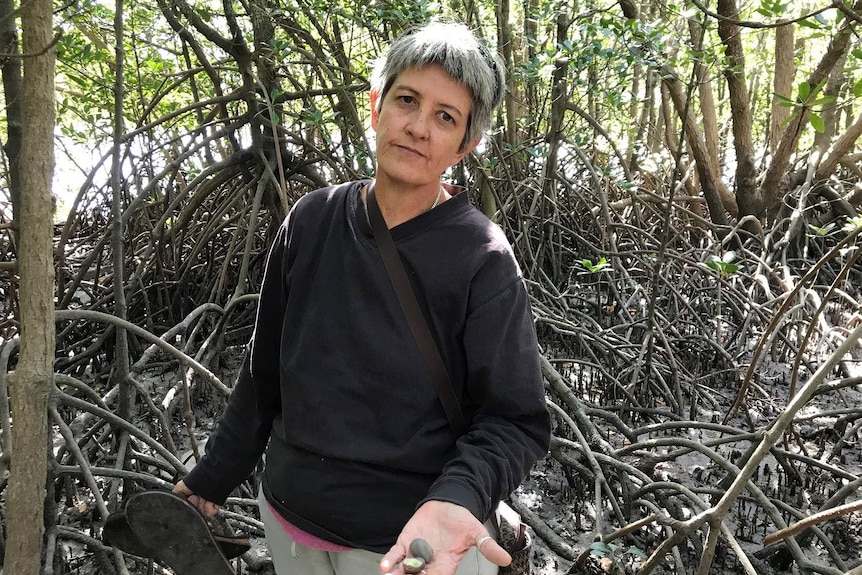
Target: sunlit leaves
{"x":773,"y":8}
{"x":822,"y":231}
{"x":86,"y":71}
{"x":817,"y":122}
{"x":853,"y":223}
{"x":816,"y":22}
{"x":808,"y":98}
{"x":593,"y":268}
{"x":725,"y":265}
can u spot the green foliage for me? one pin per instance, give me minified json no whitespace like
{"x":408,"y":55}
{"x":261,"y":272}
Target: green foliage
{"x":84,"y":70}
{"x":404,"y":13}
{"x":853,"y":224}
{"x":319,"y":47}
{"x":592,"y":268}
{"x":725,"y":265}
{"x":773,"y":8}
{"x":824,"y":231}
{"x":807,"y":99}
{"x":816,"y":22}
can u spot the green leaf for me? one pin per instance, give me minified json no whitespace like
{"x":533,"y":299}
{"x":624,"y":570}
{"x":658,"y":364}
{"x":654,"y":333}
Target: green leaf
{"x":804,"y":90}
{"x":857,"y":89}
{"x":822,"y":231}
{"x":637,"y":552}
{"x":817,"y":122}
{"x":600,"y":548}
{"x":823,"y":100}
{"x":853,"y":223}
{"x":819,"y":86}
{"x":714,"y":263}
{"x":723,"y":265}
{"x":783,"y":100}
{"x":595,"y":267}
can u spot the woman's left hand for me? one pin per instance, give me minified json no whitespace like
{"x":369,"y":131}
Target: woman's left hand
{"x":451,"y":530}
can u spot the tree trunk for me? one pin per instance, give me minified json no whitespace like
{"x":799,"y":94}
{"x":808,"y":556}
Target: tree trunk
{"x":747,"y":194}
{"x":717,"y":196}
{"x":673,"y":145}
{"x":833,"y":87}
{"x":33,"y":377}
{"x":513,"y":102}
{"x":629,"y":8}
{"x":531,"y":30}
{"x":782,"y":82}
{"x":707,"y":100}
{"x":641,"y":121}
{"x":840,"y":148}
{"x":12,"y":91}
{"x":510,"y":102}
{"x":121,"y":372}
{"x":775,"y":178}
{"x":559,"y":99}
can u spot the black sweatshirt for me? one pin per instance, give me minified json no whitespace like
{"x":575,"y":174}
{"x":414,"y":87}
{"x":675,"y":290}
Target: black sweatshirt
{"x":334,"y":383}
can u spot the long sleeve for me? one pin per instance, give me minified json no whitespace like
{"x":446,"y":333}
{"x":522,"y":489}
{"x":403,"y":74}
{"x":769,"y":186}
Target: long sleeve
{"x":510,"y":425}
{"x":357,"y":434}
{"x":236,"y":446}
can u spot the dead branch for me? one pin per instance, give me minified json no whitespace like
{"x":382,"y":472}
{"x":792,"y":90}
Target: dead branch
{"x":812,"y":520}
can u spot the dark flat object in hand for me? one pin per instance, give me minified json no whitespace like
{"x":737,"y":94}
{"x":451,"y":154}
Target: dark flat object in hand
{"x":164,"y":526}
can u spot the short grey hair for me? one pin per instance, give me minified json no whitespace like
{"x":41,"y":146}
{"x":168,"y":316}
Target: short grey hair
{"x":453,"y":47}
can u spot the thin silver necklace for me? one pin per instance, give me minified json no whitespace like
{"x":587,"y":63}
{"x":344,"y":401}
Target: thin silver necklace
{"x":437,"y":199}
{"x":434,"y":205}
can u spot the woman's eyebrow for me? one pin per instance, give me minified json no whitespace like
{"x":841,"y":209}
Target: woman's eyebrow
{"x":451,"y":108}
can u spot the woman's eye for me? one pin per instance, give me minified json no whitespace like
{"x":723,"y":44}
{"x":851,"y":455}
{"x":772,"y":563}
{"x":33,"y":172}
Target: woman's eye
{"x":406,"y":99}
{"x":446,"y":117}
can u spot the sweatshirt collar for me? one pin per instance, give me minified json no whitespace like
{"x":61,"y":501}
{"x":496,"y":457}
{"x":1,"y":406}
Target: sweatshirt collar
{"x":415,"y":225}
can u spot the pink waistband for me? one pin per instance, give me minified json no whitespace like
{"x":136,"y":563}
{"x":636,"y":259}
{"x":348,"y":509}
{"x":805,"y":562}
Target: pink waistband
{"x":304,"y":538}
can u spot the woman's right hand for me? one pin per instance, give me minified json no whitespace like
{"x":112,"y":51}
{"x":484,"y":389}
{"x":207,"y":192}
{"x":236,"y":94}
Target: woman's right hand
{"x":207,"y":508}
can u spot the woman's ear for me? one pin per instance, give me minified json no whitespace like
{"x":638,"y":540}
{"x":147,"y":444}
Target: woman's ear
{"x":467,"y":149}
{"x":375,"y":114}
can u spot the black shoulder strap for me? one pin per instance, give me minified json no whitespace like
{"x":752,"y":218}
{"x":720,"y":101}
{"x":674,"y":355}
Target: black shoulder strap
{"x":410,"y":306}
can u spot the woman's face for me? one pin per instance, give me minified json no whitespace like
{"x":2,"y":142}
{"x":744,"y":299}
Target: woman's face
{"x":420,"y":126}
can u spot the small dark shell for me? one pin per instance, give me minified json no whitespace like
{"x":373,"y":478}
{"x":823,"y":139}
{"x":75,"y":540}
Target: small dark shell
{"x":413,"y":565}
{"x":421,"y":548}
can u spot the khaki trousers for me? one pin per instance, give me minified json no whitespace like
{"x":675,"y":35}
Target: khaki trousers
{"x":292,"y":558}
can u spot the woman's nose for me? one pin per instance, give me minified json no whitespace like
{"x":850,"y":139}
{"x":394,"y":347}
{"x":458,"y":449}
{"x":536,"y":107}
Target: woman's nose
{"x":418,"y":125}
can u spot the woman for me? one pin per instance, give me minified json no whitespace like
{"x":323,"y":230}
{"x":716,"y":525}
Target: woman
{"x":360,"y":458}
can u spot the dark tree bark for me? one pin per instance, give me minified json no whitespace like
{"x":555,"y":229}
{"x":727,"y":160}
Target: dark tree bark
{"x":747,"y":194}
{"x":12,"y":90}
{"x":629,"y":8}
